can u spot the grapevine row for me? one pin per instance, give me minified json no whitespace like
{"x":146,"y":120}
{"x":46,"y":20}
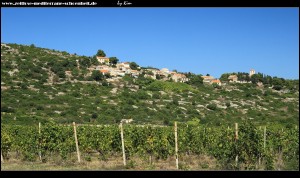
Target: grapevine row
{"x":157,"y":142}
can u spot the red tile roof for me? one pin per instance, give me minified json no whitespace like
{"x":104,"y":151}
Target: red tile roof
{"x":104,"y":71}
{"x":216,"y":81}
{"x":207,"y":77}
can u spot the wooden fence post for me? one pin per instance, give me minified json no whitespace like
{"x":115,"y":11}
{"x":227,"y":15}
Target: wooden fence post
{"x":236,"y":131}
{"x":76,"y":141}
{"x":40,"y":153}
{"x":123,"y":146}
{"x":2,"y":160}
{"x":236,"y":139}
{"x":176,"y":146}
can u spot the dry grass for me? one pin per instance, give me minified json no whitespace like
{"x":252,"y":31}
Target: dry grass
{"x":115,"y":162}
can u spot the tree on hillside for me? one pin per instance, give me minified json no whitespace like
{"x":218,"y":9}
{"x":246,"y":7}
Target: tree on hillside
{"x":188,"y":74}
{"x":247,"y":78}
{"x":84,"y":62}
{"x":150,"y":72}
{"x":268,"y":80}
{"x":256,"y":78}
{"x":195,"y":80}
{"x":94,"y":60}
{"x":61,"y":74}
{"x":57,"y":67}
{"x":97,"y":75}
{"x":158,"y":77}
{"x":134,"y":66}
{"x":113,"y":60}
{"x":242,"y":76}
{"x":278,"y":83}
{"x":224,"y":77}
{"x":101,"y":53}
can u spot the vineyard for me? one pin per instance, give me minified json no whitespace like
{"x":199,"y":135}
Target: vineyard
{"x":245,"y":147}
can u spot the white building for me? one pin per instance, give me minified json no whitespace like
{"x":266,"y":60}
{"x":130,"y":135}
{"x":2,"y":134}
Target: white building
{"x":252,"y":71}
{"x":165,"y":70}
{"x":103,"y":60}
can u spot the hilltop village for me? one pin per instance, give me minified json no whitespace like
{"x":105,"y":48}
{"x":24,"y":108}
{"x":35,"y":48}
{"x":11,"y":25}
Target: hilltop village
{"x":119,"y":70}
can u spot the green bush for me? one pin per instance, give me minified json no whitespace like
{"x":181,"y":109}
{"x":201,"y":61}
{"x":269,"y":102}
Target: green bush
{"x":212,"y":106}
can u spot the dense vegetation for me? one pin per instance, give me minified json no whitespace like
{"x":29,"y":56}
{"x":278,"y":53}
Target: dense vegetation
{"x":35,"y":88}
{"x":276,"y":83}
{"x":281,"y":144}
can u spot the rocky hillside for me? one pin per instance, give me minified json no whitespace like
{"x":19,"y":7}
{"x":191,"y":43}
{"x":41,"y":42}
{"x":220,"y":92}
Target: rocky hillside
{"x":40,"y":84}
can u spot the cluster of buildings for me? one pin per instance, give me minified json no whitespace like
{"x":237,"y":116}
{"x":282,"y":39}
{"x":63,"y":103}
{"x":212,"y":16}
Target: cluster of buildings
{"x":211,"y":80}
{"x":231,"y":78}
{"x":234,"y":78}
{"x":123,"y":68}
{"x":119,"y":70}
{"x":165,"y":74}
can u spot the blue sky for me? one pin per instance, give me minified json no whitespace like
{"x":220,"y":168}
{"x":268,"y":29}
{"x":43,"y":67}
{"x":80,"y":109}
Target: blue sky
{"x":199,"y":40}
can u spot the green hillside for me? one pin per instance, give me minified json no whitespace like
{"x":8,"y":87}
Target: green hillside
{"x":35,"y":88}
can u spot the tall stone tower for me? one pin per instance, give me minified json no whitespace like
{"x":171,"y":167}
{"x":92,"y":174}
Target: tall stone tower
{"x":252,"y":71}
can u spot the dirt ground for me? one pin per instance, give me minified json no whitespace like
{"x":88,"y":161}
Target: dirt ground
{"x":190,"y":162}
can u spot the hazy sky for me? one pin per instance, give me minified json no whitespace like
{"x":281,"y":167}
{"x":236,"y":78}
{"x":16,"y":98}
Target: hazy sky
{"x":199,"y":40}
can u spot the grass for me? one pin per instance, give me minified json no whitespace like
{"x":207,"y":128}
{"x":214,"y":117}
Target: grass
{"x":191,"y":162}
{"x":84,"y":165}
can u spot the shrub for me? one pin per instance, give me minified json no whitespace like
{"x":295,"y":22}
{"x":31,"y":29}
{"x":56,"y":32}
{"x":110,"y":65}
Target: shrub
{"x":277,"y":87}
{"x":155,"y":95}
{"x":227,"y":104}
{"x":94,"y":115}
{"x":39,"y":107}
{"x":212,"y":106}
{"x":175,"y":102}
{"x":166,"y":121}
{"x":104,"y":83}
